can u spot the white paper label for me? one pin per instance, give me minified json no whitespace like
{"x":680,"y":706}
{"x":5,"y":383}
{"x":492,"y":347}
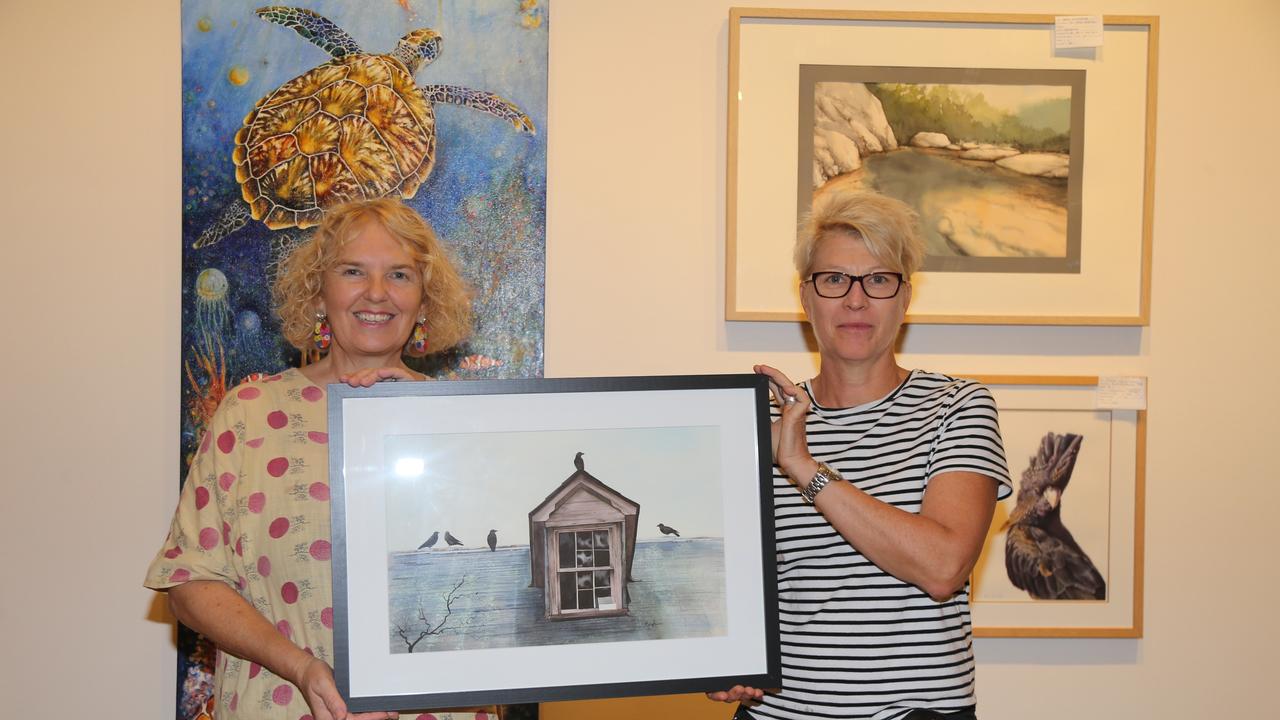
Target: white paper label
{"x":1077,"y":31}
{"x":1122,"y":393}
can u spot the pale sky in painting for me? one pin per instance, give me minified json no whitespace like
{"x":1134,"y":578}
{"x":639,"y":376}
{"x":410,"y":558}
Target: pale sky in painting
{"x":472,"y":482}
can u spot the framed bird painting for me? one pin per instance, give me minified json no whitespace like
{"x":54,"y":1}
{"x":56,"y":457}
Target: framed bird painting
{"x":1064,"y":553}
{"x":535,"y":540}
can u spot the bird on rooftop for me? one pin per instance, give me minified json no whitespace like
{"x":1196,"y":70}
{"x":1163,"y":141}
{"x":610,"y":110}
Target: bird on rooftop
{"x":493,"y":540}
{"x":1040,"y":554}
{"x":577,"y":462}
{"x":668,"y":530}
{"x":431,"y":540}
{"x":449,"y":538}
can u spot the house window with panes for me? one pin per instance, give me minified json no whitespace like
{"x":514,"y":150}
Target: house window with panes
{"x":587,"y":571}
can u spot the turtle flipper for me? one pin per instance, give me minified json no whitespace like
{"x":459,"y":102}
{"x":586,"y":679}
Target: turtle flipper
{"x":233,"y":218}
{"x":316,"y":28}
{"x":485,"y":102}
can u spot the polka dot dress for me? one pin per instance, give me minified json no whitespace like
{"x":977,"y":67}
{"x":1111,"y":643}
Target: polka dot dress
{"x":254,"y":513}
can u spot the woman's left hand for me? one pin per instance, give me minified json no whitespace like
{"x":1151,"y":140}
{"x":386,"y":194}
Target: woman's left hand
{"x":790,"y":446}
{"x":369,"y":376}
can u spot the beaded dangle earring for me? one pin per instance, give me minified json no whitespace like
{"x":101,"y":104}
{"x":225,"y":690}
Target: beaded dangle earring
{"x":322,"y":335}
{"x":417,"y":345}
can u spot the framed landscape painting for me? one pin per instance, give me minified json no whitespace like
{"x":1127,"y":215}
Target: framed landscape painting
{"x":1031,"y":169}
{"x":1063,"y":557}
{"x":537,"y":540}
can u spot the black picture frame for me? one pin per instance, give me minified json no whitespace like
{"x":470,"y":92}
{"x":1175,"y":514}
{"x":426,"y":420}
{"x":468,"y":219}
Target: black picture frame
{"x":588,"y":604}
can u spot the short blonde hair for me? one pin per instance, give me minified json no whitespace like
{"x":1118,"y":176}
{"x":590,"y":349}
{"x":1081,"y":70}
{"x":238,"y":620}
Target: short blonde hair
{"x":889,"y":227}
{"x":444,"y":294}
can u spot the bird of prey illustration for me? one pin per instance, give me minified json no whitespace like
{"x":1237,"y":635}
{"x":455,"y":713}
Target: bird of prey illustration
{"x":1040,"y":554}
{"x":493,"y":540}
{"x":430,"y":541}
{"x":577,"y":462}
{"x":668,"y":530}
{"x":449,"y":538}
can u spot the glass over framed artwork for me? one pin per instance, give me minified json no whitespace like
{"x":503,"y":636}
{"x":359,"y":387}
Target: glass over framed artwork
{"x":1024,"y":190}
{"x":1064,"y":555}
{"x":538,"y":540}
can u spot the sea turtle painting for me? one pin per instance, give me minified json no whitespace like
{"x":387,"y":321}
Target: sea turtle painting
{"x":358,"y":126}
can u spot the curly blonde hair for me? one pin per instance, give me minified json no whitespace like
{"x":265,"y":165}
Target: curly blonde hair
{"x":889,"y":227}
{"x":444,"y":294}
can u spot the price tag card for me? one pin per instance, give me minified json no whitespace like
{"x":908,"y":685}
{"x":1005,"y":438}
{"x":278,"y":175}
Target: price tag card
{"x":1077,"y":31}
{"x":1122,"y":393}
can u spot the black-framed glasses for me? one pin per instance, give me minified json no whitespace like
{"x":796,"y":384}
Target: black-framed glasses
{"x":876,"y":285}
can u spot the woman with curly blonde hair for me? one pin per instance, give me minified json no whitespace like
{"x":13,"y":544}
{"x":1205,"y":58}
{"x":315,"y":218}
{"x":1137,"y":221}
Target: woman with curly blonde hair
{"x":246,"y":562}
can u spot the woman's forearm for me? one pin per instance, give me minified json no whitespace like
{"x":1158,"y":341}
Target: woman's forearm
{"x":218,"y":612}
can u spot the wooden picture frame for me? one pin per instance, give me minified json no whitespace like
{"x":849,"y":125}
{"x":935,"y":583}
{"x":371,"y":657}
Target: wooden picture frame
{"x":629,"y":536}
{"x":1101,"y":506}
{"x":1112,"y":206}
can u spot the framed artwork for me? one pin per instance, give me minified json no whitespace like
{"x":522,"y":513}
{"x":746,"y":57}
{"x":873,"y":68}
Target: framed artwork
{"x":539,"y":540}
{"x":287,"y":111}
{"x":1064,"y":553}
{"x":1031,"y":169}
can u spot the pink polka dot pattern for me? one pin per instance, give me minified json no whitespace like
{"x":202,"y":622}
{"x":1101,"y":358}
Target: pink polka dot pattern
{"x":257,"y":502}
{"x":277,"y":419}
{"x":202,"y":497}
{"x":227,"y":441}
{"x":285,"y":628}
{"x":225,"y":480}
{"x":254,"y":443}
{"x":180,"y":575}
{"x":318,"y":437}
{"x":226,"y":534}
{"x":319,"y":491}
{"x":248,"y":393}
{"x":235,"y":701}
{"x":278,"y":527}
{"x":321,"y":550}
{"x":264,"y":566}
{"x":326,"y":617}
{"x":308,"y":716}
{"x":282,"y":694}
{"x":208,"y":538}
{"x":289,"y":593}
{"x":204,"y":444}
{"x":254,"y":669}
{"x":312,"y":394}
{"x":173,"y":552}
{"x":240,"y":547}
{"x":277,"y":466}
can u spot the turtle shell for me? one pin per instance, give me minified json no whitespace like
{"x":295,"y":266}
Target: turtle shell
{"x":357,"y":127}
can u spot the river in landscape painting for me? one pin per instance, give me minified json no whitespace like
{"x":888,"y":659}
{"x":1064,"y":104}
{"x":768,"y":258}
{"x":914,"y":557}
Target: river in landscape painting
{"x":971,"y":208}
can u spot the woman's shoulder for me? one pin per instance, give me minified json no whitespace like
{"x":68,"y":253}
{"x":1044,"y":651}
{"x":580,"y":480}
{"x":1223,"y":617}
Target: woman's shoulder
{"x":953,"y":387}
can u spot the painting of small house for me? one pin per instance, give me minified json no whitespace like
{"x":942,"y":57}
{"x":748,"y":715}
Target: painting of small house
{"x":582,"y":542}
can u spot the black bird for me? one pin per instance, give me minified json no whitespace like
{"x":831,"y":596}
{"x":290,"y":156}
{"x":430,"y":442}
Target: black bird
{"x":1040,"y":554}
{"x":577,"y":461}
{"x":668,"y":530}
{"x":431,"y":540}
{"x":449,"y":538}
{"x":493,"y":540}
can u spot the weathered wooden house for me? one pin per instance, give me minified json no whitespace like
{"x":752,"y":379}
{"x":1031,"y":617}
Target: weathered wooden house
{"x":582,"y":541}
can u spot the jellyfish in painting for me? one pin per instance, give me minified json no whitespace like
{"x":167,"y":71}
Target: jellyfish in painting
{"x":248,"y":325}
{"x":212,"y":311}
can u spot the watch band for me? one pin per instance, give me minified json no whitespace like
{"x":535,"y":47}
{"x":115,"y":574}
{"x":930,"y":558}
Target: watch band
{"x":824,"y":475}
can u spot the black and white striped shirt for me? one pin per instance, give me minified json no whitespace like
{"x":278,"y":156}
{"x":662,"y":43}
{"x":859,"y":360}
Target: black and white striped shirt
{"x":856,"y":641}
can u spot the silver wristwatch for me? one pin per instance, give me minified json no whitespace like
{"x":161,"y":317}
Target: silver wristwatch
{"x":820,"y":479}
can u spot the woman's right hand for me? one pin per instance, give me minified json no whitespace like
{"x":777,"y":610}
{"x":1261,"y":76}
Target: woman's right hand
{"x":315,"y":679}
{"x":737,"y":693}
{"x":790,"y":445}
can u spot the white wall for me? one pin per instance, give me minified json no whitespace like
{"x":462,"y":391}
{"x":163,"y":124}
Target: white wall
{"x":91,"y":370}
